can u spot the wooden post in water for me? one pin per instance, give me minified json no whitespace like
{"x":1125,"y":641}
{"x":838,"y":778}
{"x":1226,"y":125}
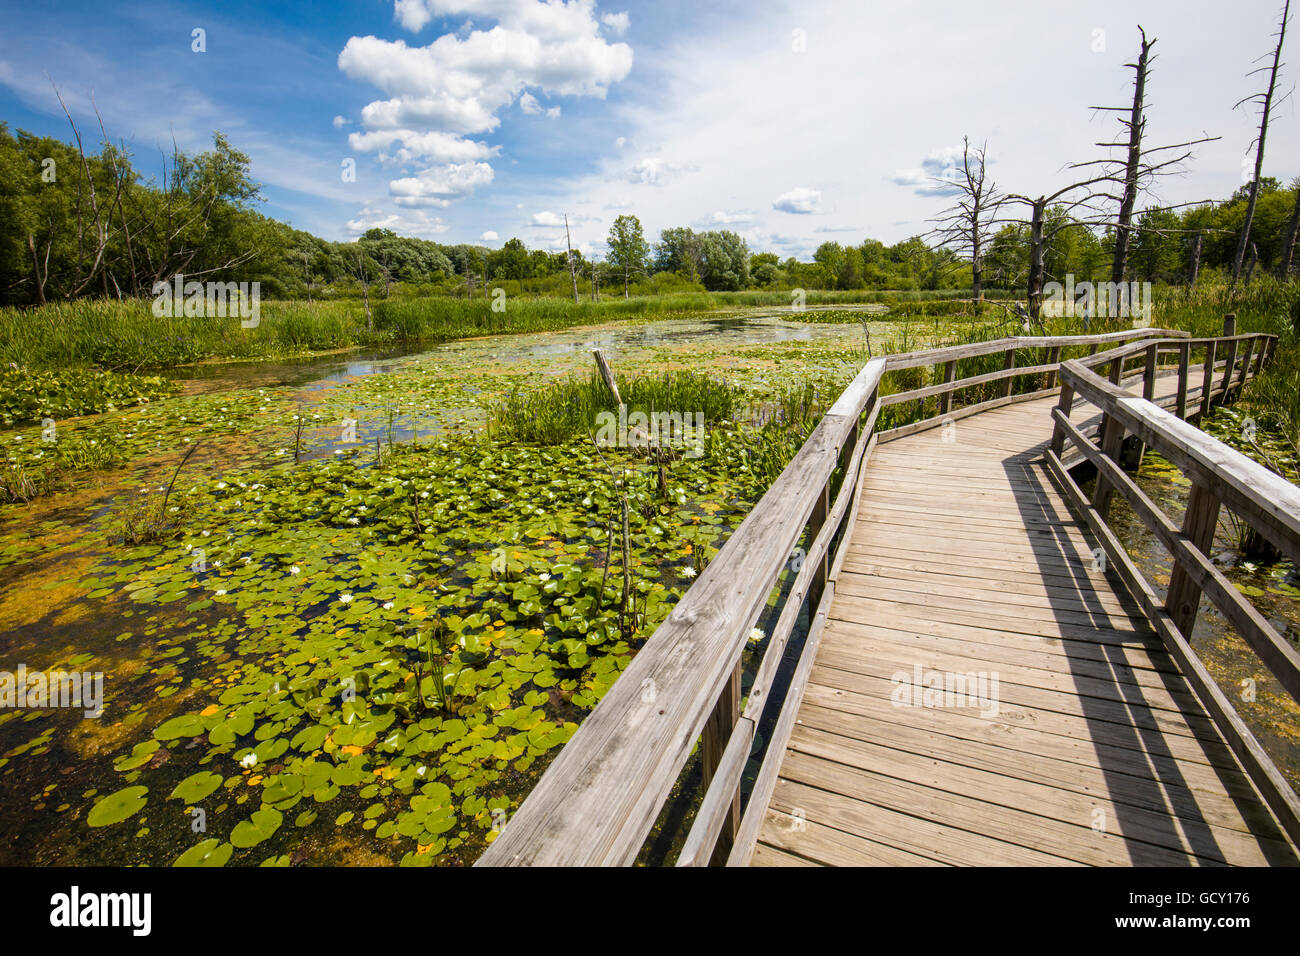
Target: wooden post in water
{"x":607,"y":374}
{"x":1199,"y":522}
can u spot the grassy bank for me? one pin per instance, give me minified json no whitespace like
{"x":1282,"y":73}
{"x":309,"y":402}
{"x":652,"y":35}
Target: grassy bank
{"x":126,"y":336}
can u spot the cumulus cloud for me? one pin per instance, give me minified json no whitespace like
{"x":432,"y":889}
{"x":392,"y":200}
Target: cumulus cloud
{"x":936,"y":174}
{"x":801,"y":201}
{"x":547,"y":219}
{"x":439,"y":185}
{"x":340,"y":122}
{"x":489,"y":236}
{"x":409,"y":223}
{"x":616,"y":23}
{"x":836,"y":229}
{"x":528,"y":103}
{"x":653,"y":171}
{"x":438,"y":94}
{"x":433,"y":145}
{"x":722,"y":218}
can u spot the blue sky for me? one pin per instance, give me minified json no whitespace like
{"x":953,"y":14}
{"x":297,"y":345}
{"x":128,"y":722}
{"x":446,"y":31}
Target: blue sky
{"x":791,"y":123}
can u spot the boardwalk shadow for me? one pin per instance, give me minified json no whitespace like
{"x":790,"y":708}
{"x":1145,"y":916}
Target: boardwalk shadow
{"x":1157,"y":814}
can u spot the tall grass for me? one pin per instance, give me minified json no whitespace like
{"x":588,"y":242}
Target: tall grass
{"x":569,"y":408}
{"x":126,"y":336}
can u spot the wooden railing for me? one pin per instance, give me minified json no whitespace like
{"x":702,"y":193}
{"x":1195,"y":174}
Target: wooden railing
{"x":600,"y":798}
{"x":598,"y":801}
{"x":1220,"y":477}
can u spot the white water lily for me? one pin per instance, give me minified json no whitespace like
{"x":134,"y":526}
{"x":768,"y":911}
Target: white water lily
{"x":756,"y":635}
{"x":249,"y":761}
{"x":220,"y":592}
{"x":688,"y":572}
{"x":354,"y":521}
{"x":295,"y":570}
{"x":345,"y":598}
{"x":388,"y":605}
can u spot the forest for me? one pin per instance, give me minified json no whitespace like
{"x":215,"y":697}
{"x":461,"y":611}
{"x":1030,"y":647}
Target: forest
{"x":76,"y":223}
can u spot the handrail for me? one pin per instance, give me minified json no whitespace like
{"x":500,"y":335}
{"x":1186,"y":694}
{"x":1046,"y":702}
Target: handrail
{"x":1221,"y":476}
{"x":598,"y":801}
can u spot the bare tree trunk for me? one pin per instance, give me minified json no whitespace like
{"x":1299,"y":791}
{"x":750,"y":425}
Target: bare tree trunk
{"x":1244,"y":240}
{"x":1136,"y":126}
{"x":1034,"y":291}
{"x":36,"y":270}
{"x":573,"y":274}
{"x":1195,"y":267}
{"x":1288,"y":244}
{"x":1254,"y":260}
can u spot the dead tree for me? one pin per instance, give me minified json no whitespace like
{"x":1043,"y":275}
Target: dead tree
{"x":1082,"y":196}
{"x":1292,"y":226}
{"x":573,"y":272}
{"x":1267,"y":104}
{"x":1194,"y":266}
{"x":964,"y":228}
{"x":1134,"y":171}
{"x":1136,"y":126}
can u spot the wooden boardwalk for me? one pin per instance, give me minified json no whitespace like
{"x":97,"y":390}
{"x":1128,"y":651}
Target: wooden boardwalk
{"x":965,"y":558}
{"x":986,"y":676}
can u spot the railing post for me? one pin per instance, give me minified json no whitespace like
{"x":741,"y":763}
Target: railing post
{"x":1064,"y":404}
{"x":1229,"y":328}
{"x":1245,"y":366}
{"x":1112,"y":440}
{"x":1116,"y":370}
{"x":1008,"y":365}
{"x":1207,"y":378}
{"x":949,"y":376}
{"x":723,"y":720}
{"x":1184,"y":596}
{"x":1184,"y":359}
{"x":1053,"y":358}
{"x":1149,"y":375}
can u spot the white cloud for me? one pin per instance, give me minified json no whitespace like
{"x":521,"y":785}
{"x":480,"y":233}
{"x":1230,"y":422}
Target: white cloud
{"x":653,"y":171}
{"x":547,"y":219}
{"x":528,"y":103}
{"x":340,"y":122}
{"x":432,"y":145}
{"x":617,"y":23}
{"x":408,"y":223}
{"x":837,"y":229}
{"x":439,"y":185}
{"x":721,"y":218}
{"x":438,"y":94}
{"x":801,"y":201}
{"x":936,"y":174}
{"x":489,"y":236}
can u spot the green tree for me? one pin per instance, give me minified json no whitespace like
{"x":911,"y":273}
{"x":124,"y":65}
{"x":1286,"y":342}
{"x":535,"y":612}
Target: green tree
{"x":628,"y":250}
